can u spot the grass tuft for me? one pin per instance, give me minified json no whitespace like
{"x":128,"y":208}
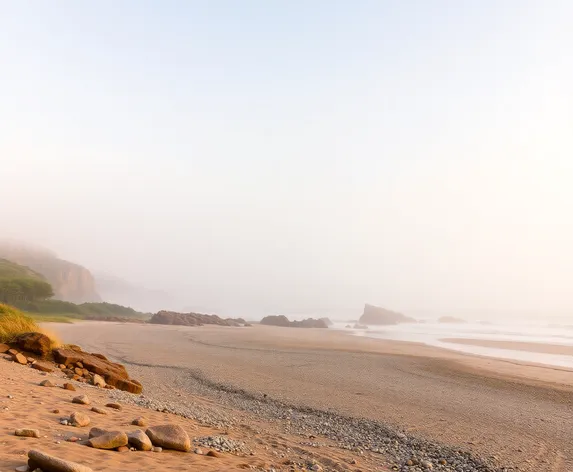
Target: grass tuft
{"x":13,"y":322}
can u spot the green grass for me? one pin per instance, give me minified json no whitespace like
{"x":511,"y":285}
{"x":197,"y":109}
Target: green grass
{"x":13,"y":322}
{"x":52,"y":318}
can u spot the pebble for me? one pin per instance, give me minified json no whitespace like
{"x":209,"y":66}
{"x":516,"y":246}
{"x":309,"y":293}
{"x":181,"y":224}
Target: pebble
{"x":115,"y":406}
{"x":28,"y":433}
{"x":22,"y":468}
{"x":82,"y":400}
{"x":198,"y":451}
{"x":99,"y":410}
{"x":157,"y":449}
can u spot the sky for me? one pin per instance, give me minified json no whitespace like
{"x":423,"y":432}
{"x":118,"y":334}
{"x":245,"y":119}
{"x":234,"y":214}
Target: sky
{"x":297,"y":157}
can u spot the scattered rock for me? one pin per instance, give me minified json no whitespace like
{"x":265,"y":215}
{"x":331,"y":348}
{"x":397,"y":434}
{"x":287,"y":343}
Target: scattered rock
{"x":64,"y":422}
{"x":79,"y":419}
{"x":47,"y":463}
{"x":55,"y":411}
{"x":157,"y":449}
{"x":198,"y":451}
{"x":73,"y":439}
{"x":82,"y":400}
{"x":97,"y":409}
{"x":141,"y":421}
{"x":427,"y":465}
{"x":98,"y":381}
{"x":27,"y":433}
{"x":123,"y":449}
{"x":69,"y":386}
{"x":213,"y":454}
{"x":37,"y":343}
{"x":46,"y":383}
{"x":110,"y":440}
{"x":97,"y":432}
{"x":115,"y":406}
{"x":19,"y":358}
{"x":4,"y":348}
{"x":169,"y":436}
{"x":22,"y":468}
{"x":139,"y":440}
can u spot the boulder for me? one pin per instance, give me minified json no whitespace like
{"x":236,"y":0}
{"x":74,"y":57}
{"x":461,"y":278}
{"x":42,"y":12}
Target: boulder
{"x":110,"y":440}
{"x":79,"y":419}
{"x":42,"y":366}
{"x":47,"y":463}
{"x":37,"y":343}
{"x":283,"y":321}
{"x":28,"y":433}
{"x":82,"y":400}
{"x":139,"y":440}
{"x":169,"y":436}
{"x":374,"y":315}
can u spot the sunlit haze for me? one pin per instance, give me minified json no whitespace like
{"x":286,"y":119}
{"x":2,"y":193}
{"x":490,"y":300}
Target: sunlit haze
{"x":301,"y":158}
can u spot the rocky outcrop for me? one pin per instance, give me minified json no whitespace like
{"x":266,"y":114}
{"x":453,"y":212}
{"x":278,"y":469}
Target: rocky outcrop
{"x":114,"y":374}
{"x":374,"y":315}
{"x":193,"y":319}
{"x":71,"y":282}
{"x":283,"y":321}
{"x":37,"y":343}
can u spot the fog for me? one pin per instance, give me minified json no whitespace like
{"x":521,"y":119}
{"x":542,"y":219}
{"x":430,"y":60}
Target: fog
{"x":297,"y":158}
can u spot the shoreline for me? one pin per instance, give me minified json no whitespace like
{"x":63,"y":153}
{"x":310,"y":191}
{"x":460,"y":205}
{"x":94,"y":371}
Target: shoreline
{"x":450,"y":399}
{"x":542,"y":348}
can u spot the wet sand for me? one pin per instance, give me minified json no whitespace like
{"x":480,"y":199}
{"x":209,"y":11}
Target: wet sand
{"x":522,"y":414}
{"x":559,"y":349}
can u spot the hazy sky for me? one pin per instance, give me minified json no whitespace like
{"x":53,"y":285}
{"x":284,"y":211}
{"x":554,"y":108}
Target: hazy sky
{"x":297,"y":156}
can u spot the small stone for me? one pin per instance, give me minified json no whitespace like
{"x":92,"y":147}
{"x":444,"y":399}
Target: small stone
{"x":19,"y":358}
{"x":140,"y":421}
{"x":69,"y":386}
{"x":42,"y":366}
{"x":73,"y":439}
{"x":64,"y":422}
{"x":22,"y":468}
{"x":157,"y":449}
{"x":443,"y":462}
{"x":427,"y":465}
{"x":79,"y":364}
{"x":316,"y":468}
{"x":82,"y":400}
{"x":139,"y":440}
{"x":46,"y":383}
{"x":78,"y":371}
{"x":98,"y":381}
{"x":99,"y":410}
{"x":115,"y":406}
{"x":79,"y":419}
{"x":62,"y":366}
{"x":27,"y":433}
{"x":213,"y":454}
{"x":198,"y":451}
{"x":55,"y":411}
{"x":123,"y":449}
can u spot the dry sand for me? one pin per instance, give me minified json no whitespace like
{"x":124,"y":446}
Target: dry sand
{"x":522,"y":414}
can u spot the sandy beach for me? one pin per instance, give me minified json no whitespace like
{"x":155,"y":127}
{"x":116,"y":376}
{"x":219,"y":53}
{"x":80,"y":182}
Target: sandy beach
{"x":516,"y":415}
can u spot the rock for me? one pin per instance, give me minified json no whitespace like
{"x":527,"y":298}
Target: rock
{"x":62,"y":366}
{"x":64,"y":422}
{"x":47,"y":463}
{"x":193,"y":319}
{"x":98,"y":381}
{"x":94,"y":432}
{"x":443,"y":462}
{"x":42,"y":366}
{"x":22,"y":468}
{"x":316,"y":468}
{"x":169,"y":436}
{"x":141,"y":421}
{"x":79,"y":419}
{"x":55,"y":411}
{"x":115,"y":406}
{"x":80,"y":365}
{"x":198,"y":451}
{"x":157,"y":449}
{"x":450,"y":319}
{"x":213,"y":454}
{"x":4,"y":348}
{"x":374,"y":315}
{"x":30,"y":360}
{"x":46,"y":383}
{"x":27,"y":433}
{"x":19,"y":358}
{"x":139,"y":440}
{"x":427,"y":465}
{"x":82,"y":400}
{"x":37,"y":343}
{"x":73,"y":439}
{"x":122,"y":449}
{"x":69,"y":386}
{"x":114,"y":374}
{"x":99,"y":410}
{"x":110,"y":440}
{"x":78,"y":371}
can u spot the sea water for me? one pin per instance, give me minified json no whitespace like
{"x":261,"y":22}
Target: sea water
{"x":432,"y":333}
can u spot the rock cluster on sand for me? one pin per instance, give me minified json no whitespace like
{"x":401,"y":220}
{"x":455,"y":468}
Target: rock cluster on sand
{"x":374,"y":315}
{"x":37,"y":343}
{"x":194,"y":319}
{"x":281,"y":320}
{"x":96,"y":367}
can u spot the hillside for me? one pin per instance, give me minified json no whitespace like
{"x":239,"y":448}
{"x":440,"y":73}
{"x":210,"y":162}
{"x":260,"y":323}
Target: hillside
{"x":11,"y":270}
{"x":70,"y":282}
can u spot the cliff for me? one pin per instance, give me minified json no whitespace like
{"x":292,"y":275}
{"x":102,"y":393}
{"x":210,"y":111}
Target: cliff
{"x":71,"y":282}
{"x":374,"y":315}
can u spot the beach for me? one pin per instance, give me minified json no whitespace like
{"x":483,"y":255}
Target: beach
{"x":511,"y":413}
